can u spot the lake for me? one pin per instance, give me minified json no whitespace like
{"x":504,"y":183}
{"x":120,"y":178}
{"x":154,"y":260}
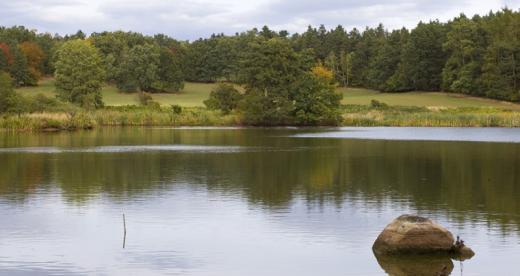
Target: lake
{"x":253,"y":201}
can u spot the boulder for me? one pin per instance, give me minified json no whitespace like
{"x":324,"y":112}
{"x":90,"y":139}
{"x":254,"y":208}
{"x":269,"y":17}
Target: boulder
{"x":410,"y":234}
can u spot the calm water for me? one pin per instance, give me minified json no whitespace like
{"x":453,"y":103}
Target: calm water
{"x":252,"y":201}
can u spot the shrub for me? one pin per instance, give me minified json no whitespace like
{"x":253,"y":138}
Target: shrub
{"x":378,"y":104}
{"x":176,"y":109}
{"x":224,"y":97}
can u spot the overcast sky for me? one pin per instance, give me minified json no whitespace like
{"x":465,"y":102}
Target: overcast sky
{"x":189,"y":19}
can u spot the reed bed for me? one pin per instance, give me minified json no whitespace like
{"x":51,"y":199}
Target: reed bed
{"x":353,"y":115}
{"x":430,"y":117}
{"x":120,"y":116}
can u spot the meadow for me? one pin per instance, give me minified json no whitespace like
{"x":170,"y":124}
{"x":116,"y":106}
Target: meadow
{"x":194,"y":94}
{"x":361,"y":107}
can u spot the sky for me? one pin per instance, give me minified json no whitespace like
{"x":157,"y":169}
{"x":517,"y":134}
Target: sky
{"x":191,"y":19}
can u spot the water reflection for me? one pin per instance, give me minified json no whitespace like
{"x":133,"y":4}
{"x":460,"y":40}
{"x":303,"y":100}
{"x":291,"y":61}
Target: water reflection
{"x":476,"y":179}
{"x":182,"y":189}
{"x":416,"y":265}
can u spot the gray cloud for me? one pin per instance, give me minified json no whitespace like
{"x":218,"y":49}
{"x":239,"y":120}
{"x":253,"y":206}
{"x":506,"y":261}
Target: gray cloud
{"x":200,"y":18}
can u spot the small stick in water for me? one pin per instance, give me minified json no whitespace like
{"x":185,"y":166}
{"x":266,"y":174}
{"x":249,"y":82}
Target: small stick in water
{"x":124,"y":228}
{"x":124,"y":223}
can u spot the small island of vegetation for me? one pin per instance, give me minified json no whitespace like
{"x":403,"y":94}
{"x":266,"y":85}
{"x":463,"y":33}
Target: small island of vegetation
{"x":463,"y":73}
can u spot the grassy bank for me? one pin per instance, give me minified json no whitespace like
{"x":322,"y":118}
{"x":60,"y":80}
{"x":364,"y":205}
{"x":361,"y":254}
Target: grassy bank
{"x":116,"y":116}
{"x":354,"y":115}
{"x":357,"y":115}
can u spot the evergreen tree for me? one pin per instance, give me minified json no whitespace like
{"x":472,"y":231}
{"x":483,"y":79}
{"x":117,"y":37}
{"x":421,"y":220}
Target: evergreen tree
{"x":465,"y":43}
{"x":423,"y":56}
{"x":501,"y":68}
{"x":19,"y":69}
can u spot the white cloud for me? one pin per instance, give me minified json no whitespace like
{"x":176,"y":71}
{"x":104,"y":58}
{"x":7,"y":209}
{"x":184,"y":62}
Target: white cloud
{"x":196,"y":18}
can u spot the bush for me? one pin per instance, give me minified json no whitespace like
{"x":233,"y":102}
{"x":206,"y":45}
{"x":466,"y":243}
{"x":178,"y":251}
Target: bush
{"x":176,"y":109}
{"x":377,"y":104}
{"x":224,"y":97}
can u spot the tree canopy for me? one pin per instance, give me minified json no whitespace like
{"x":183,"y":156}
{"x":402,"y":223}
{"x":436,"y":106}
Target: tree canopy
{"x":79,"y":73}
{"x":280,"y":71}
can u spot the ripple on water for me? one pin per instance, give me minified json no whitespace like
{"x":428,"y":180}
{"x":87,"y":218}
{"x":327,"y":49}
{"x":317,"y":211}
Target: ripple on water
{"x":150,"y":148}
{"x":130,"y":149}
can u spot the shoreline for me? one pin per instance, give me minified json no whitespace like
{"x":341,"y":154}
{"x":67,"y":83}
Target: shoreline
{"x":353,"y":116}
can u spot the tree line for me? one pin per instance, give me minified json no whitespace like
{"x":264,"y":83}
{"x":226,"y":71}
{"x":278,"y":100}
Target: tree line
{"x":476,"y":56}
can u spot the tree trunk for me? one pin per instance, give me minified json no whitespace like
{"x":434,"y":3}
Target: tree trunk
{"x":514,"y":70}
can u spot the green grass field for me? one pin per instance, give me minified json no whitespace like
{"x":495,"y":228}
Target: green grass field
{"x":429,"y":99}
{"x":194,"y":94}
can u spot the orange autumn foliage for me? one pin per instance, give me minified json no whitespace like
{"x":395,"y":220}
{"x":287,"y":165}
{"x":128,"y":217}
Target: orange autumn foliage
{"x":33,"y":53}
{"x":35,"y":56}
{"x":7,"y":53}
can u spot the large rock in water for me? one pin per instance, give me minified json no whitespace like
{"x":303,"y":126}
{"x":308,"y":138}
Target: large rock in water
{"x":409,"y":234}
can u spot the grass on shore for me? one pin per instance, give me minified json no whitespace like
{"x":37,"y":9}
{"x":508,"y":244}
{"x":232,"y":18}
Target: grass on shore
{"x":357,"y":115}
{"x":194,"y":94}
{"x":117,"y":116}
{"x":354,"y":115}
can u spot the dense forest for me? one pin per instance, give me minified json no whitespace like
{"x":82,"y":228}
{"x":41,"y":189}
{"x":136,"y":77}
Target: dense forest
{"x":478,"y":56}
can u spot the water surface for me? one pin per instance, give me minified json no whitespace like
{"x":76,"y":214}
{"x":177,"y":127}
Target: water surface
{"x":251,"y":201}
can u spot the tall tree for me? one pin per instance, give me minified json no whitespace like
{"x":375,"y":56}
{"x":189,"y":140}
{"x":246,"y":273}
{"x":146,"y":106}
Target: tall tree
{"x":19,"y":68}
{"x":280,"y":89}
{"x":345,"y":67}
{"x":35,"y":56}
{"x":501,"y":68}
{"x":170,"y":75}
{"x":385,"y":63}
{"x":79,"y":73}
{"x":465,"y":42}
{"x":6,"y":59}
{"x":316,"y":101}
{"x":269,"y":69}
{"x":424,"y":57}
{"x":140,"y":68}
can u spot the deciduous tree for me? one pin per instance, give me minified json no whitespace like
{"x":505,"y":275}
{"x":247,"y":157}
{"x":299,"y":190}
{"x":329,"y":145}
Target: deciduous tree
{"x":79,"y":73}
